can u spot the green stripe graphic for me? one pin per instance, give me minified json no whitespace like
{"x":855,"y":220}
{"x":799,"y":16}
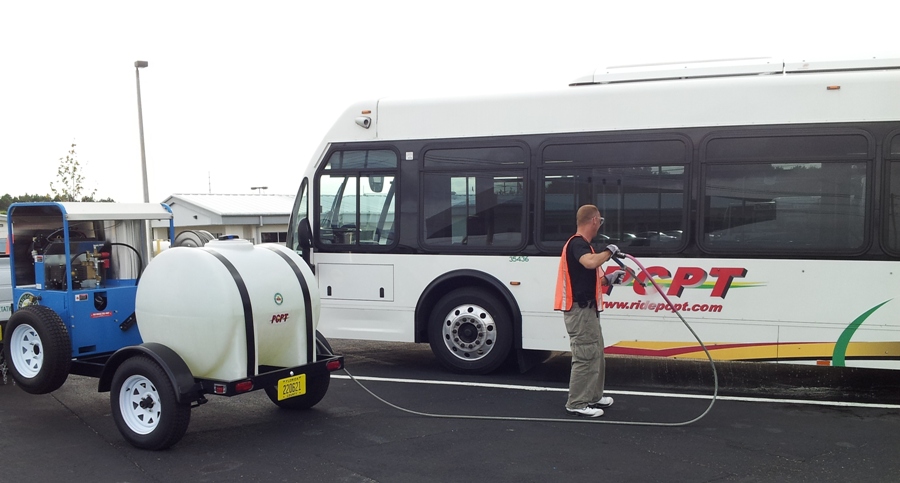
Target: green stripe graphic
{"x":840,"y":347}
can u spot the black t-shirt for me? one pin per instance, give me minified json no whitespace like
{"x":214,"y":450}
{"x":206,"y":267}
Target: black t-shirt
{"x":584,"y":280}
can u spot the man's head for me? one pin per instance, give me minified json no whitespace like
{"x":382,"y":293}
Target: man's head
{"x":589,"y":219}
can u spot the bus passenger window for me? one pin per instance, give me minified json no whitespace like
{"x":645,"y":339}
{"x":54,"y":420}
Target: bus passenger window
{"x":638,"y":186}
{"x":641,"y":206}
{"x":472,"y":198}
{"x":786,"y":206}
{"x":473,"y":211}
{"x":893,"y":203}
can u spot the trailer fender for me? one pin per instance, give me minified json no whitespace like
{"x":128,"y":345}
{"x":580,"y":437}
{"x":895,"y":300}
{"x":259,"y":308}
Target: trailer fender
{"x":186,"y":388}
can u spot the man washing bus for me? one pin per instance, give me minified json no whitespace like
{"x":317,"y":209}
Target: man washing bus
{"x":579,"y":296}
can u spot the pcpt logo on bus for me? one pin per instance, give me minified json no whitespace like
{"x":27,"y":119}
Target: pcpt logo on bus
{"x":688,"y":277}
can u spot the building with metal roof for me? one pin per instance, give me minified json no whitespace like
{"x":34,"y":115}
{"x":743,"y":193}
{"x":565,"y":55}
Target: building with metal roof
{"x":260,"y":218}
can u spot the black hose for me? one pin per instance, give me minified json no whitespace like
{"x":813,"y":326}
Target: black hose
{"x":137,"y":254}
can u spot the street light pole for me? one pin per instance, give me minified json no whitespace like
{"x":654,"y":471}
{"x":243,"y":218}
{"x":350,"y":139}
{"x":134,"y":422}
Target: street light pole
{"x":146,"y":249}
{"x":259,"y":188}
{"x":138,"y":64}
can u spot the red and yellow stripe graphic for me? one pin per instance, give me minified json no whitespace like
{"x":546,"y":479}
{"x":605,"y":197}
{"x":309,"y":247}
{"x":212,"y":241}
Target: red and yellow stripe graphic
{"x":763,"y":351}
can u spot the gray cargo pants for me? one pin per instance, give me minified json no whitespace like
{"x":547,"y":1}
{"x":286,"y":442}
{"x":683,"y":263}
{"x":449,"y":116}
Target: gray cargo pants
{"x":588,"y":367}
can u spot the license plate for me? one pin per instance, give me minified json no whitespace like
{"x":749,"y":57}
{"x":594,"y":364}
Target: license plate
{"x":291,"y":387}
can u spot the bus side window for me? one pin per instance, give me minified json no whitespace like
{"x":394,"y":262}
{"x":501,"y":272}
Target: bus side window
{"x":893,"y":198}
{"x":383,"y":233}
{"x":356,"y":197}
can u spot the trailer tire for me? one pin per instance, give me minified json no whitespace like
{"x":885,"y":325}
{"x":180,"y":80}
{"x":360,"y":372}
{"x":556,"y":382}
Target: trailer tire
{"x":145,"y":406}
{"x":470,"y":331}
{"x":323,"y":348}
{"x":37,"y":349}
{"x":316,"y":386}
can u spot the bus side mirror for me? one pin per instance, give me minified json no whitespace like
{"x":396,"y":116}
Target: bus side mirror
{"x":376,"y":183}
{"x":304,"y":235}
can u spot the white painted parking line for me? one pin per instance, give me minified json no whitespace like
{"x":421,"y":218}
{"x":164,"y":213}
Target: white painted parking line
{"x":630,"y":393}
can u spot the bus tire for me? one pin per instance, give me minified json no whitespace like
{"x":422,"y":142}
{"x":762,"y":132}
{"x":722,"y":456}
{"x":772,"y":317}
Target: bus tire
{"x":37,"y":349}
{"x":470,"y":331}
{"x":316,"y":386}
{"x":145,"y":407}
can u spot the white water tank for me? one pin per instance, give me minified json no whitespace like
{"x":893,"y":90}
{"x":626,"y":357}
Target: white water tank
{"x":229,"y":307}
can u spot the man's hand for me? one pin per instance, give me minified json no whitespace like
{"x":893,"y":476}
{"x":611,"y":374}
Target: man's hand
{"x":615,"y":278}
{"x":613,"y":249}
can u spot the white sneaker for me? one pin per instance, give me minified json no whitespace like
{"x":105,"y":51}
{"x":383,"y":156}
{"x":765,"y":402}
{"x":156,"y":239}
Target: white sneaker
{"x":588,"y":412}
{"x":604,"y":402}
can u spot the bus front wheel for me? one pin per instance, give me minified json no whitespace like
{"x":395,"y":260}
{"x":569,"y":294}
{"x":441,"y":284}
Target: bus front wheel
{"x":470,"y":331}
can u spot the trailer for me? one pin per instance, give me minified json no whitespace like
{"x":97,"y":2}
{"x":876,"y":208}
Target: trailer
{"x":224,"y":319}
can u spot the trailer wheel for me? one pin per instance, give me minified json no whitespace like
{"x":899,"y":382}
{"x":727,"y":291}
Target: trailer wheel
{"x":37,"y":349}
{"x":145,"y":406}
{"x":316,"y":386}
{"x":323,"y":348}
{"x":470,"y":331}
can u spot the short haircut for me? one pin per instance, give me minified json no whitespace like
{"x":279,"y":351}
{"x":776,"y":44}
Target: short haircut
{"x":585,"y":213}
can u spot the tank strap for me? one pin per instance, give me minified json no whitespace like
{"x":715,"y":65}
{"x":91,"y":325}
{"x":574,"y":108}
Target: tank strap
{"x":307,"y":301}
{"x":248,"y":309}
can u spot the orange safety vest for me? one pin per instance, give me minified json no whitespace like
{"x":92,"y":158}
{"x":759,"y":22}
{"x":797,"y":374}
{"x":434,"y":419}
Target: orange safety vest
{"x":564,"y":282}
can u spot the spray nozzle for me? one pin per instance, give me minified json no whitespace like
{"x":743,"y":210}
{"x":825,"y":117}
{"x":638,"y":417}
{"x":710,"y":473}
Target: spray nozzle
{"x":617,"y":256}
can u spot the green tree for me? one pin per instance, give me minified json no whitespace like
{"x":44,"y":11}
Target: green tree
{"x":8,"y":199}
{"x":70,"y":181}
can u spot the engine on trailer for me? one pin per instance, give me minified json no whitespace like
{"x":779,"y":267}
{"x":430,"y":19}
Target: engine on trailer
{"x":90,"y":262}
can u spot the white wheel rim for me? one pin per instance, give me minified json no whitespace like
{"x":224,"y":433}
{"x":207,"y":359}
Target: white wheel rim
{"x":27,"y":351}
{"x":139,"y":404}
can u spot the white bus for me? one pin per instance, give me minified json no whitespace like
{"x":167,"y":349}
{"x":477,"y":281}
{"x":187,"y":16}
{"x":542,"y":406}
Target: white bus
{"x":764,"y":196}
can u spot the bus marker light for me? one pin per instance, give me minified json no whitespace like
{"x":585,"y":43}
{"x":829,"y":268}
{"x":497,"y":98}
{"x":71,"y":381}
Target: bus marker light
{"x":833,"y":88}
{"x":219,"y":388}
{"x":823,"y":363}
{"x":515,"y":283}
{"x":243,"y":386}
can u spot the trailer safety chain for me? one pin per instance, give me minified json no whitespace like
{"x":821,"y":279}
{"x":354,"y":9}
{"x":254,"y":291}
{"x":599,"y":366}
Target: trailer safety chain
{"x":572,"y":419}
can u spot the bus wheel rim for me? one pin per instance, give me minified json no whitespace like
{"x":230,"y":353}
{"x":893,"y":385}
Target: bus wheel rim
{"x":469,"y":332}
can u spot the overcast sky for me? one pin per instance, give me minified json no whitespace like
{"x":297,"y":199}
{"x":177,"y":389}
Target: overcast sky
{"x":239,"y":94}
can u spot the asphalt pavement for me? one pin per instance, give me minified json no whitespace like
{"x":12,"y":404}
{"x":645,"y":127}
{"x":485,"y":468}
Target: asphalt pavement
{"x":69,"y":435}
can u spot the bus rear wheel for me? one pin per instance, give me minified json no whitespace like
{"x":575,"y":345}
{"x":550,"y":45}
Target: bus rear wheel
{"x":470,"y":331}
